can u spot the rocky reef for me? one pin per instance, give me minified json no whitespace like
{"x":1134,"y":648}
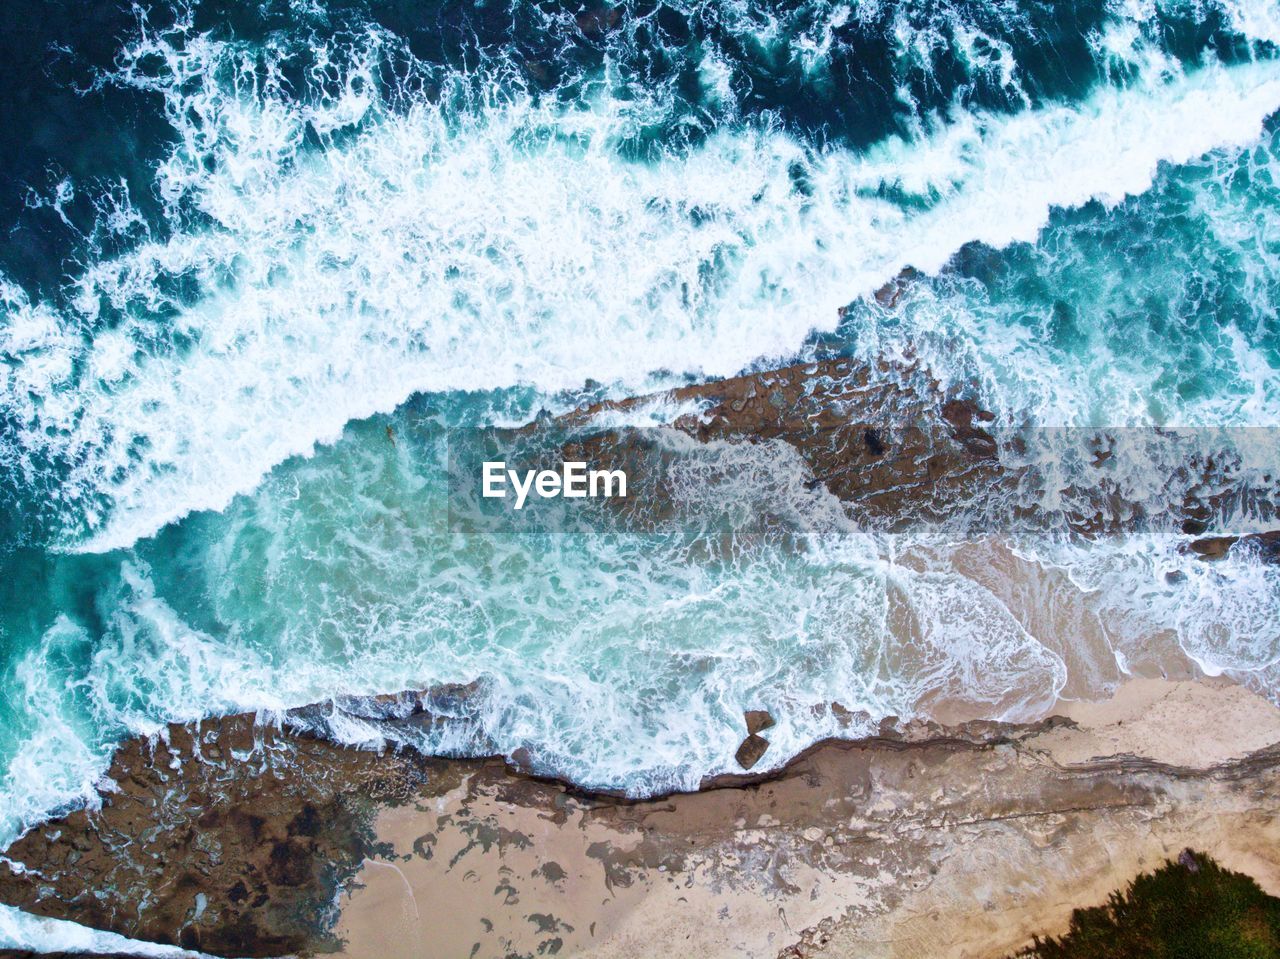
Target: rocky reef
{"x":885,"y":439}
{"x":243,"y":838}
{"x":227,"y":836}
{"x":897,"y":448}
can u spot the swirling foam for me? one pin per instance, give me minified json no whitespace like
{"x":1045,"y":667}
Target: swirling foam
{"x":301,"y":287}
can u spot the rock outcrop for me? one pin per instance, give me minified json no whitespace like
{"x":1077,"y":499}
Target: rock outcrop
{"x":898,"y":449}
{"x":751,"y":751}
{"x":227,"y":837}
{"x":884,"y":439}
{"x":241,"y":839}
{"x":1213,"y":548}
{"x":753,"y":748}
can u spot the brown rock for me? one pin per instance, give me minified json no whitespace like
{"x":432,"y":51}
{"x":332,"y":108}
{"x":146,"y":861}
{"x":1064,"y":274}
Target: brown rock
{"x":889,"y":294}
{"x":847,"y":717}
{"x":880,"y":437}
{"x":897,"y":449}
{"x":758,"y":720}
{"x":236,"y":857}
{"x":1213,"y":548}
{"x":247,"y":857}
{"x":752,"y":748}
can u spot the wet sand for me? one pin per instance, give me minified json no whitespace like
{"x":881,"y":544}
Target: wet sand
{"x":243,"y":838}
{"x":937,"y":845}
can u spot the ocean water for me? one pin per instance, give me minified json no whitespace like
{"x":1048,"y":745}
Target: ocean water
{"x":258,"y":260}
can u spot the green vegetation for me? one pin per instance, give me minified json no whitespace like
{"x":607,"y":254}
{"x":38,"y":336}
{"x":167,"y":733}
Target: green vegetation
{"x":1190,"y":908}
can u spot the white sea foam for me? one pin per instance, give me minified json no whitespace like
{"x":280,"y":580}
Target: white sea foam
{"x":322,"y":285}
{"x":1258,"y":20}
{"x":56,"y":759}
{"x":21,"y":930}
{"x":662,"y":641}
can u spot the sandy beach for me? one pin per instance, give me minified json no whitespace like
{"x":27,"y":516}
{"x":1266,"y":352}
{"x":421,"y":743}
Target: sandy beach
{"x":938,"y":849}
{"x":242,"y":838}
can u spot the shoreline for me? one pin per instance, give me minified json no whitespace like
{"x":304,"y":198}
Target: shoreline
{"x":841,"y":843}
{"x":775,"y":884}
{"x":242,"y":837}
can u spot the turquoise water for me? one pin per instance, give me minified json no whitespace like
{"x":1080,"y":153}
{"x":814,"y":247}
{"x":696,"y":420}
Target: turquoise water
{"x":278,"y":230}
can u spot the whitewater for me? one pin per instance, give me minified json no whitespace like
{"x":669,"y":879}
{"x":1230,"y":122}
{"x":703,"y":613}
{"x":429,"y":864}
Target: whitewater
{"x":300,"y":289}
{"x":345,"y":239}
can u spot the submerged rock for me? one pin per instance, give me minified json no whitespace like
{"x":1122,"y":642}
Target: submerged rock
{"x":897,"y":449}
{"x":883,"y":438}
